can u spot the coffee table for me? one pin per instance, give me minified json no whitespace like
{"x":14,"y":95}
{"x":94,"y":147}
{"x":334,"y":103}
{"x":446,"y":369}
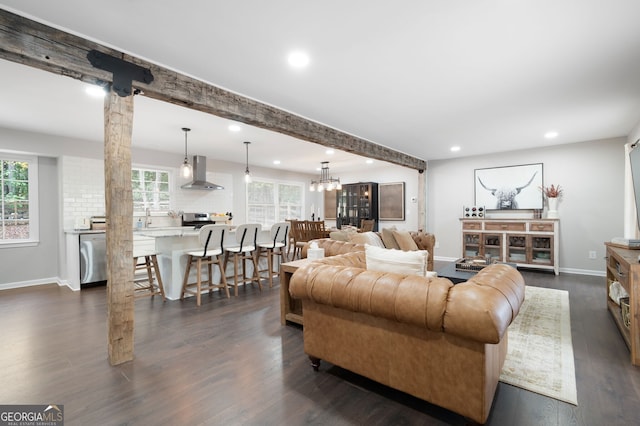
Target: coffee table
{"x":449,"y":271}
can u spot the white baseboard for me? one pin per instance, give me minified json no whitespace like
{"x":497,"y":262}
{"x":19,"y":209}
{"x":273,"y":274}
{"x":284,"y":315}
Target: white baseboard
{"x":31,"y":283}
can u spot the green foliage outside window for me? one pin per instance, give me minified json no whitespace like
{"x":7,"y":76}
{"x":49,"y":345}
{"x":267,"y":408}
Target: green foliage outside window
{"x":14,"y":200}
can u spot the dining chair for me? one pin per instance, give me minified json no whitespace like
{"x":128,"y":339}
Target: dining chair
{"x":315,"y":230}
{"x":367,"y":225}
{"x":211,"y":239}
{"x":274,"y":248}
{"x":299,"y":236}
{"x":246,"y":238}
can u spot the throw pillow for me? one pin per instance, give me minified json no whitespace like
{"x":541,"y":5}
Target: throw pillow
{"x":370,"y":238}
{"x":388,"y":239}
{"x":397,"y":261}
{"x":405,"y":241}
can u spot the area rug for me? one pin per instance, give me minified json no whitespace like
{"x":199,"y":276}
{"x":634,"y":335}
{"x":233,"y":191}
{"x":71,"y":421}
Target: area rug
{"x":540,"y":354}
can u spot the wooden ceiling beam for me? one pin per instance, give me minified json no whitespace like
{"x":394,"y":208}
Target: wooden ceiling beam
{"x":32,"y":43}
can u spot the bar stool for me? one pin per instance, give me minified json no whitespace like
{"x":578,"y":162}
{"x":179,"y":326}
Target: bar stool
{"x":274,"y":248}
{"x":211,"y":238}
{"x":246,"y":236}
{"x":148,"y":284}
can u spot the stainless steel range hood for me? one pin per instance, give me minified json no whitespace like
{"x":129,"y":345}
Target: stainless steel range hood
{"x":200,"y":175}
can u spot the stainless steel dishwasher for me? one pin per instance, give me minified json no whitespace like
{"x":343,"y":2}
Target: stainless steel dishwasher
{"x":93,"y":258}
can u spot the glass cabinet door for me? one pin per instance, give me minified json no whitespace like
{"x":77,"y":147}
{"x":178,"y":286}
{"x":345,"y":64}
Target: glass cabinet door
{"x":471,"y":244}
{"x":542,"y":250}
{"x":492,"y":244}
{"x":517,"y":249}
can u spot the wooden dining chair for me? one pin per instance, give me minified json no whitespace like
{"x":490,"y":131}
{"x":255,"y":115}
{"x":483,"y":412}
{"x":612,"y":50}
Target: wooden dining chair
{"x":315,"y":230}
{"x":367,"y":225}
{"x":298,"y":234}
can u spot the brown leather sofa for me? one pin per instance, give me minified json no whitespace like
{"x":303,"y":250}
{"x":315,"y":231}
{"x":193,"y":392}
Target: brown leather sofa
{"x":423,"y":240}
{"x":424,"y":336}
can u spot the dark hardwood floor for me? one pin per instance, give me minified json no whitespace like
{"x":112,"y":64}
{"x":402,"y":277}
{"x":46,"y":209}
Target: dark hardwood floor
{"x":231,"y":362}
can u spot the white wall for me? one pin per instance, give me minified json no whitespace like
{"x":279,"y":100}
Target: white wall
{"x":37,"y":264}
{"x":591,"y":210}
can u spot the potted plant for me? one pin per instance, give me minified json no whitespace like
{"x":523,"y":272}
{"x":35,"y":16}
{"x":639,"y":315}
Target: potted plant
{"x":552,"y":194}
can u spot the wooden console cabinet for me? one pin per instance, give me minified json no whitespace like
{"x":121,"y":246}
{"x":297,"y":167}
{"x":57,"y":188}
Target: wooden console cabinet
{"x":623,"y":266}
{"x":531,"y":243}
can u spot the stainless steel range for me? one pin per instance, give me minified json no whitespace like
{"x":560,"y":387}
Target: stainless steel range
{"x":198,"y":220}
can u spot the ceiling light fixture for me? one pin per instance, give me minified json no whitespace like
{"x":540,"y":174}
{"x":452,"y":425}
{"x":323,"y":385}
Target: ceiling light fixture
{"x":234,"y":128}
{"x":326,"y":181}
{"x":455,"y":148}
{"x":298,"y":59}
{"x":247,"y":173}
{"x":185,"y":169}
{"x":551,"y":135}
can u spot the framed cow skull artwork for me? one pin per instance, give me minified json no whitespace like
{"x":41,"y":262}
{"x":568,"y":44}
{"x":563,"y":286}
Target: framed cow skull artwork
{"x":509,"y":187}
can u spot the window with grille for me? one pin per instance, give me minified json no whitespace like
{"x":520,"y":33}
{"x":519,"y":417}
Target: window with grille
{"x":18,"y":199}
{"x":150,"y":190}
{"x":269,"y":202}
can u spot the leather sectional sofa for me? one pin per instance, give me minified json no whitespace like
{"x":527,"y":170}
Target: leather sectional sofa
{"x":440,"y":342}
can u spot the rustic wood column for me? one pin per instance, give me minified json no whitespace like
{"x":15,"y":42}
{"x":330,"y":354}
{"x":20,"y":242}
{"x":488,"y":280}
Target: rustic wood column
{"x":118,"y":123}
{"x":422,"y":202}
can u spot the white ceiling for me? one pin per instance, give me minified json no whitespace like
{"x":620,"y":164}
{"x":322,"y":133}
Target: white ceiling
{"x":418,"y":76}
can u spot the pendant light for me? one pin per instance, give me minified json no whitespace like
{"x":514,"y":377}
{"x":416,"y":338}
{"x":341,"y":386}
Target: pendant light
{"x":247,"y":173}
{"x":185,"y":169}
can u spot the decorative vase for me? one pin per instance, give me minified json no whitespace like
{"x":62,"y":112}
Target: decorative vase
{"x":552,"y":212}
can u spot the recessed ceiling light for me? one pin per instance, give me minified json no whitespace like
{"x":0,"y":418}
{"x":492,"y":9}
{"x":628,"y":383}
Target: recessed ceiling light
{"x":369,"y":161}
{"x":551,"y":135}
{"x":329,"y":152}
{"x":234,"y":128}
{"x":455,"y":148}
{"x":95,"y":91}
{"x":276,"y":161}
{"x":298,"y":59}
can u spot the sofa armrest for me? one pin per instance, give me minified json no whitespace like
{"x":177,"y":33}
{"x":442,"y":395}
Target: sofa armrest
{"x":485,"y":305}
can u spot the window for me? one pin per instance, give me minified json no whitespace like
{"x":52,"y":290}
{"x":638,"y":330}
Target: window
{"x":18,"y":199}
{"x":271,"y":202}
{"x":150,"y":189}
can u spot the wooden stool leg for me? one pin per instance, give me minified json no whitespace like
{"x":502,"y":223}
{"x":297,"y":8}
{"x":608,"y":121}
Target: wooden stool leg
{"x":199,"y":281}
{"x":186,"y":276}
{"x":156,"y":268}
{"x":270,"y":266}
{"x":256,"y":276}
{"x":223,"y":278}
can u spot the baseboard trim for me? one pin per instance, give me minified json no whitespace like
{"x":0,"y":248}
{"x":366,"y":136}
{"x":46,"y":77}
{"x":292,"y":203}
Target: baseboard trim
{"x":31,"y":283}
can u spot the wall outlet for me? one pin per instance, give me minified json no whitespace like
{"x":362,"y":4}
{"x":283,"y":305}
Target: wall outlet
{"x":592,"y":254}
{"x":437,"y":244}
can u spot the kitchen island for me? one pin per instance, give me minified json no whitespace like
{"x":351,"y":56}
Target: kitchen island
{"x":170,"y":244}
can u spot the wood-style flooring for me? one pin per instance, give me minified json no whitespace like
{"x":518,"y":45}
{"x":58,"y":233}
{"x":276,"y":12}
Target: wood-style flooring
{"x":230,"y":362}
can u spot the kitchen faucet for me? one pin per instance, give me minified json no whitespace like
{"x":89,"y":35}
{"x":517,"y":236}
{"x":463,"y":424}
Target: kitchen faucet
{"x":147,"y":220}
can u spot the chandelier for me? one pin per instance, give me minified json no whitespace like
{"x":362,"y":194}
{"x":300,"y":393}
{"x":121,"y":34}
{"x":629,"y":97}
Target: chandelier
{"x":326,"y":181}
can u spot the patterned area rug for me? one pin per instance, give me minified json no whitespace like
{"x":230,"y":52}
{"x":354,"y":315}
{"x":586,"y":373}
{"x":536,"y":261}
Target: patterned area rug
{"x":540,"y":355}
